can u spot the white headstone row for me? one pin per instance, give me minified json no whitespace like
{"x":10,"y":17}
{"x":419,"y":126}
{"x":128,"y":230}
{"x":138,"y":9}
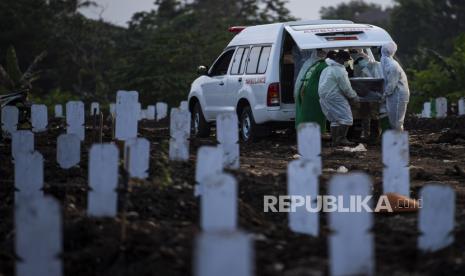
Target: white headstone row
{"x":38,"y":235}
{"x":39,"y":117}
{"x":309,"y":144}
{"x":137,"y":157}
{"x":180,"y":127}
{"x":161,"y":110}
{"x":436,"y":217}
{"x":461,"y":107}
{"x":58,"y":111}
{"x":103,"y":180}
{"x":209,"y":162}
{"x":10,"y":118}
{"x":351,"y":244}
{"x":396,"y":172}
{"x":227,"y":134}
{"x":127,"y":115}
{"x":75,"y":119}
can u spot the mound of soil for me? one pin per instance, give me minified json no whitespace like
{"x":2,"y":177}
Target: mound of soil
{"x":157,"y":233}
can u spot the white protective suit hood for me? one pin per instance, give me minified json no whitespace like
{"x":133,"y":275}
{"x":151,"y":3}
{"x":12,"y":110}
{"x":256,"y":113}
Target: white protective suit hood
{"x":389,"y":49}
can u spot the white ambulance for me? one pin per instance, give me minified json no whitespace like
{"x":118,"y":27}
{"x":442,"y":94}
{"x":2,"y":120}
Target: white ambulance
{"x":254,"y":76}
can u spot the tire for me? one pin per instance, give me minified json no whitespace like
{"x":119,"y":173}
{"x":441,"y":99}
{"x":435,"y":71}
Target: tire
{"x":249,"y":130}
{"x":200,"y":126}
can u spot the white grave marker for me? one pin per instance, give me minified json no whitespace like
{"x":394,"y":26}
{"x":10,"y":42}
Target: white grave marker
{"x":94,"y":109}
{"x":441,"y":107}
{"x":180,"y":127}
{"x":29,"y":176}
{"x":75,"y":118}
{"x":143,"y":114}
{"x":113,"y":109}
{"x":302,"y":185}
{"x":396,"y":174}
{"x":351,"y":245}
{"x":209,"y":162}
{"x":39,"y":117}
{"x":184,"y":105}
{"x":127,"y":115}
{"x":58,"y":111}
{"x":162,"y":110}
{"x":436,"y":217}
{"x":309,"y":144}
{"x":225,"y":254}
{"x":137,"y":156}
{"x":22,"y":141}
{"x":227,"y":133}
{"x":461,"y":107}
{"x":426,"y":113}
{"x":68,"y":150}
{"x":38,"y":237}
{"x":150,"y":112}
{"x":10,"y":117}
{"x":103,"y":180}
{"x":218,"y":208}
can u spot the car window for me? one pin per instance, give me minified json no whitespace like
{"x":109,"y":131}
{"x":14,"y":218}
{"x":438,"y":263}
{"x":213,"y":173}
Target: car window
{"x":263,"y":63}
{"x":253,"y":60}
{"x":221,"y":66}
{"x":237,"y":61}
{"x":245,"y":56}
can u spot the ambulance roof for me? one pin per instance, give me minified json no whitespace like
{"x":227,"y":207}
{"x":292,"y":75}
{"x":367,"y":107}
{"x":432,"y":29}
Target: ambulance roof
{"x":314,"y":34}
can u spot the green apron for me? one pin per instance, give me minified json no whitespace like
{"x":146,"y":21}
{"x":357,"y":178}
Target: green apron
{"x":308,"y":107}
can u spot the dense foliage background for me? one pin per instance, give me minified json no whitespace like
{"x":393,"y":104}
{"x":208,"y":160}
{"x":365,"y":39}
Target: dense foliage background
{"x":159,"y":52}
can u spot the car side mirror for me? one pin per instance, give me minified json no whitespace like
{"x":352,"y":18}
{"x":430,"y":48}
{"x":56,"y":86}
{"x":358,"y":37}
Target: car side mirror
{"x":202,"y":70}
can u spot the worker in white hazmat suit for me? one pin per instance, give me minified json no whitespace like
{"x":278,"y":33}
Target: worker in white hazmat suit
{"x":335,"y":92}
{"x":396,"y":90}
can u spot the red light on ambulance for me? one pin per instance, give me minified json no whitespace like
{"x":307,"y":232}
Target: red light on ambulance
{"x":236,"y":29}
{"x":272,"y":97}
{"x":341,"y":38}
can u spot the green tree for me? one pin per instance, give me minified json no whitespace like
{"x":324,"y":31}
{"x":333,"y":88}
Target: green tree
{"x":358,"y":11}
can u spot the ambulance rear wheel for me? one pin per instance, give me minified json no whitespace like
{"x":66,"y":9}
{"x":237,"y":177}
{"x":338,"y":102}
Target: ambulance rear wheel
{"x":248,"y":127}
{"x":200,"y":126}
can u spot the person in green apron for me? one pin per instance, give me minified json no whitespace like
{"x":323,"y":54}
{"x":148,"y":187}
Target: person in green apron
{"x":307,"y":100}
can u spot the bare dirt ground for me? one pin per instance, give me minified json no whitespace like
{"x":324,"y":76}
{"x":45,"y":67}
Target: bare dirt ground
{"x":162,"y":213}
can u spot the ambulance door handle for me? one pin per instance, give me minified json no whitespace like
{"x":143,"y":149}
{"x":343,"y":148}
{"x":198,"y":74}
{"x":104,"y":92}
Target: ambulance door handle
{"x":221,"y":83}
{"x":239,"y":80}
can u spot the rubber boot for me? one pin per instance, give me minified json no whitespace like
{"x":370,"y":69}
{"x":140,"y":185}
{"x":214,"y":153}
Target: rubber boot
{"x":365,"y":129}
{"x":343,"y":137}
{"x":335,"y":136}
